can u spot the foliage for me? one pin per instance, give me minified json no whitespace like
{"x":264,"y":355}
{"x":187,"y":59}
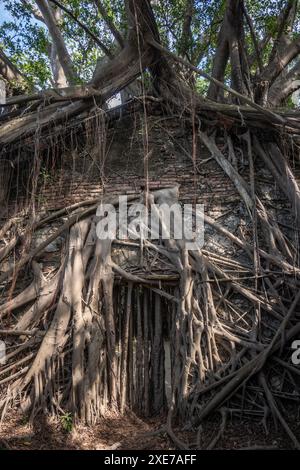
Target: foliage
{"x":25,"y":38}
{"x":67,"y":422}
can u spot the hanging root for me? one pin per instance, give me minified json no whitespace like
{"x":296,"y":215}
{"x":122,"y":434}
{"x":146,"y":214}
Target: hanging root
{"x":193,"y":332}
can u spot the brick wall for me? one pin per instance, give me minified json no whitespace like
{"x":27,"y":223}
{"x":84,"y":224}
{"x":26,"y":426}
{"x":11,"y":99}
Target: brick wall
{"x":114,"y":162}
{"x":119,"y":167}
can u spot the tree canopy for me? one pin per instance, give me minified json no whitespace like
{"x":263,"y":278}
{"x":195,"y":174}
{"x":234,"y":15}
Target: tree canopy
{"x":251,"y":46}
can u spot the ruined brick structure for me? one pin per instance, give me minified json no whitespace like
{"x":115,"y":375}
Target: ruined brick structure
{"x":122,"y":169}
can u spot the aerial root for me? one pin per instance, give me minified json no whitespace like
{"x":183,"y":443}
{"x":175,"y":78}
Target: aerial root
{"x":91,"y":338}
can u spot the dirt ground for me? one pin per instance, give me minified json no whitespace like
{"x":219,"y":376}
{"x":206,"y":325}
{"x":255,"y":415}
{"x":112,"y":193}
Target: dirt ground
{"x":132,"y":433}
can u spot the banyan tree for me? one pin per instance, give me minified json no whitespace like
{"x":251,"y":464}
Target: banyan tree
{"x":209,"y":107}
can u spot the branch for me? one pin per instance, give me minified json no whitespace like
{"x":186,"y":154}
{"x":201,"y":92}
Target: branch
{"x":219,"y":63}
{"x":230,"y":42}
{"x":219,"y":84}
{"x":254,"y":38}
{"x":283,"y":87}
{"x":59,"y":77}
{"x":286,"y":18}
{"x":281,"y":56}
{"x":252,"y":367}
{"x":262,"y":43}
{"x":113,"y":77}
{"x":85,"y":28}
{"x":34,"y":11}
{"x":186,"y":36}
{"x":274,"y":69}
{"x":9,"y":71}
{"x":103,"y":12}
{"x":58,"y":41}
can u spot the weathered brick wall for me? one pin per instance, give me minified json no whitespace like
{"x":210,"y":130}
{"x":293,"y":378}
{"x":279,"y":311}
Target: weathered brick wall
{"x":114,"y":163}
{"x":123,"y":170}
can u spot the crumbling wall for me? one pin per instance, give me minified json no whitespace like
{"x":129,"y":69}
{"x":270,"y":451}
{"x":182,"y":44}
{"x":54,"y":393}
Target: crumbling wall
{"x":161,"y":152}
